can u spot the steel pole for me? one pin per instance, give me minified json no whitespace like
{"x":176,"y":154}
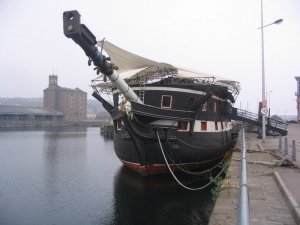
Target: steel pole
{"x":263,"y":130}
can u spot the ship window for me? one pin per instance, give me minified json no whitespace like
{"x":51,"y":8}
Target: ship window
{"x":216,"y":125}
{"x":119,"y":124}
{"x":166,"y":101}
{"x":204,"y":107}
{"x":203,"y":125}
{"x":182,"y":125}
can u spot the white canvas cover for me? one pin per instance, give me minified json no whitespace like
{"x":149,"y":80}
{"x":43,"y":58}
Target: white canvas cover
{"x":187,"y":73}
{"x":130,"y":64}
{"x":124,"y":60}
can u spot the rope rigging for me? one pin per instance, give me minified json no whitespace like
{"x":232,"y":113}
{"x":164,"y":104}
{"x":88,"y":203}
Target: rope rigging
{"x":177,"y":180}
{"x":183,"y":168}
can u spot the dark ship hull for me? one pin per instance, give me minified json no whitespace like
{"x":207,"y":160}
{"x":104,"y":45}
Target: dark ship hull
{"x":195,"y":132}
{"x":147,"y":158}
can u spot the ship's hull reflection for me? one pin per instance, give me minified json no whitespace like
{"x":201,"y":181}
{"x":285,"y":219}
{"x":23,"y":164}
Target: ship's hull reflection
{"x":158,"y":200}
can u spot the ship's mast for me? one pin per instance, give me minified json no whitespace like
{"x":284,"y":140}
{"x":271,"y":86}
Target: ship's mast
{"x":81,"y":35}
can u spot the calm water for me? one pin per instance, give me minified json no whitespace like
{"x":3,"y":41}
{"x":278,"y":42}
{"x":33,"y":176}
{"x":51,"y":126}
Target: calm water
{"x":72,"y":176}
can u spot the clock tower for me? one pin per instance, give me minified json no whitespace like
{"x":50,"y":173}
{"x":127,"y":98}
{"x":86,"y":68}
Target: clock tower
{"x":52,"y":80}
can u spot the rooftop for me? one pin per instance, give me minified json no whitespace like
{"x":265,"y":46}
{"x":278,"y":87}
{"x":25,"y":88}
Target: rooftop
{"x":12,"y":109}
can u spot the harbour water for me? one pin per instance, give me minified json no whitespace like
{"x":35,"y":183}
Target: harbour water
{"x":71,"y":175}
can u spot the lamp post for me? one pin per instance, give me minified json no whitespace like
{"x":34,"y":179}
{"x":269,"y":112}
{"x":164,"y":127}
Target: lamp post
{"x":263,"y":68}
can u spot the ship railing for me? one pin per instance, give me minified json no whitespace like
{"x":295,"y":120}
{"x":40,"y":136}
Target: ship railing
{"x":243,"y":207}
{"x":148,"y":79}
{"x":168,"y":78}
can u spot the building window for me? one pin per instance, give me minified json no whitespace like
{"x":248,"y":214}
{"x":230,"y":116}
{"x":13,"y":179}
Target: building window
{"x":203,"y":125}
{"x":215,"y":106}
{"x":166,"y":101}
{"x":182,"y":125}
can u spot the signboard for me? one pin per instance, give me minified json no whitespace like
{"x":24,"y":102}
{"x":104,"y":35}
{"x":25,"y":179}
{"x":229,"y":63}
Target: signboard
{"x":264,"y":103}
{"x":264,"y":111}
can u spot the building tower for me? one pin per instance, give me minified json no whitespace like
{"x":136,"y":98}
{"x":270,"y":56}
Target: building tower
{"x":71,"y":102}
{"x":52,"y":80}
{"x":298,"y":99}
{"x":50,"y":94}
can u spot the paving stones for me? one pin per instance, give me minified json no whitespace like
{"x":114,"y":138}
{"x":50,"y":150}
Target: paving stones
{"x":267,"y":204}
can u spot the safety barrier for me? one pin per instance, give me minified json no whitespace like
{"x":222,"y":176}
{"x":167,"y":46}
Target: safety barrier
{"x":243,"y":201}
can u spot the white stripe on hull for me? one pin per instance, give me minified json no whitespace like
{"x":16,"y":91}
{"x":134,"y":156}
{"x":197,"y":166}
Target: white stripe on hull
{"x":174,"y":90}
{"x":210,"y":125}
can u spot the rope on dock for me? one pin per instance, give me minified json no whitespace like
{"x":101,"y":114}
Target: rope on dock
{"x":276,"y":163}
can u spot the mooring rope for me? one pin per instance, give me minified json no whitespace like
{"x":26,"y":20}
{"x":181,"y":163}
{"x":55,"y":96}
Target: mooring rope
{"x":184,"y":169}
{"x":176,"y":179}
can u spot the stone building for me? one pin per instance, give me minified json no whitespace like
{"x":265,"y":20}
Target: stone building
{"x":71,"y":102}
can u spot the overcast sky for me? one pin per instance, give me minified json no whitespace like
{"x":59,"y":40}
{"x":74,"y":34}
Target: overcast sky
{"x":213,"y":36}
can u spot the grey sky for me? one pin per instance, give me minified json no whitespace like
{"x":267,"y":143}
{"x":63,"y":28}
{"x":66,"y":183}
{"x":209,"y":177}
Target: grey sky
{"x":213,"y":36}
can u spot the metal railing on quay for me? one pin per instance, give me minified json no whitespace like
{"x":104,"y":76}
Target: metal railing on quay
{"x":243,"y":201}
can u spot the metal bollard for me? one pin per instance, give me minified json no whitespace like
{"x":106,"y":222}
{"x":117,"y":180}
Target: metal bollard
{"x":294,"y":151}
{"x":280,"y":143}
{"x":286,"y":151}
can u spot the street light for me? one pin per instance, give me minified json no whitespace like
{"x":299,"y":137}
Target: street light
{"x":275,"y":22}
{"x":263,"y":69}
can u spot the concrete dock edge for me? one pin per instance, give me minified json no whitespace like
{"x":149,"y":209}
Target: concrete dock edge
{"x":292,"y":203}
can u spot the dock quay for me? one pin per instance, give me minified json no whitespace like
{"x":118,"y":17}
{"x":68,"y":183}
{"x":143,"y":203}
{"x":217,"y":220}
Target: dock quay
{"x":273,"y":182}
